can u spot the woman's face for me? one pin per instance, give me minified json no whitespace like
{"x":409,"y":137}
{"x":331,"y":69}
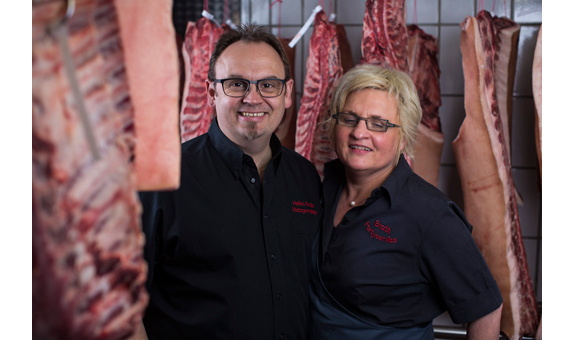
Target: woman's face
{"x":364,"y":150}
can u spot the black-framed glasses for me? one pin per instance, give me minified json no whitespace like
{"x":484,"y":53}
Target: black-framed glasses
{"x":372,"y":123}
{"x":238,"y":87}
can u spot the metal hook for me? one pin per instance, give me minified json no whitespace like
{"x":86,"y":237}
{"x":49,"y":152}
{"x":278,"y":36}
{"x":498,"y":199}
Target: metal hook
{"x":60,"y":31}
{"x":70,"y":9}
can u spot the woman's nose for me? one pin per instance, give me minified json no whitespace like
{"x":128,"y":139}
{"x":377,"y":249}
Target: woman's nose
{"x":360,"y":130}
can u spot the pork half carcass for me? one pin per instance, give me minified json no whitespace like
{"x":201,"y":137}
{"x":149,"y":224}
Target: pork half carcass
{"x":323,"y":70}
{"x":286,"y":130}
{"x":195,"y":114}
{"x":538,"y":94}
{"x":152,"y":68}
{"x":385,"y":40}
{"x":482,"y":154}
{"x":88,"y":271}
{"x":424,"y":71}
{"x":344,"y":48}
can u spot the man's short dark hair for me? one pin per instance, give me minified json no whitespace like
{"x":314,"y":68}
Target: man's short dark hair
{"x":247,"y":33}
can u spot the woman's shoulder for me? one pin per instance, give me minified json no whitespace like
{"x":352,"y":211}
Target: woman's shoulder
{"x":425,"y":191}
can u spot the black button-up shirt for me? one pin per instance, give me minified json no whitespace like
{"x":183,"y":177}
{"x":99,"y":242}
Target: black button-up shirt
{"x":405,"y":256}
{"x":229,"y":255}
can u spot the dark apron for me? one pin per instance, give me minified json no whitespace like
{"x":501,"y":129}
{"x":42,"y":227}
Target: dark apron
{"x":330,"y":320}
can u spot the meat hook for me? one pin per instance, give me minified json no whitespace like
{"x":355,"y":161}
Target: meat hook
{"x":60,"y":31}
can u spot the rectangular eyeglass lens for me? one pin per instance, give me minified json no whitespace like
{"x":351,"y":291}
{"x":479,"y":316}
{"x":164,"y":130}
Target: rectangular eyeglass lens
{"x":271,"y":86}
{"x":236,"y":86}
{"x":347,"y":119}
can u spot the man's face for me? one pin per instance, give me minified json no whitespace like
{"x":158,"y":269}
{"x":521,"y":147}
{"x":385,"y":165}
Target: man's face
{"x":253,"y":116}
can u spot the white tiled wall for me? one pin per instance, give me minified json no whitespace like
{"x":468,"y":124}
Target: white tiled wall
{"x":442,"y":18}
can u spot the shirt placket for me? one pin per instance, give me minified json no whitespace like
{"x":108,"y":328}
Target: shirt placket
{"x":271,"y":238}
{"x":263,"y":194}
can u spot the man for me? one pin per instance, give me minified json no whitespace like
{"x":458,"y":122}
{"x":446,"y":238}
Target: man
{"x":229,"y":252}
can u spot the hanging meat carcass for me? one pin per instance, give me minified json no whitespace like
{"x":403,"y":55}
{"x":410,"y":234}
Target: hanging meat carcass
{"x":538,"y":93}
{"x":323,"y":70}
{"x":424,"y":71}
{"x":344,"y":48}
{"x":385,"y":40}
{"x":286,"y":130}
{"x":482,"y":154}
{"x":385,"y":43}
{"x":152,"y":68}
{"x":88,"y":271}
{"x":195,"y":114}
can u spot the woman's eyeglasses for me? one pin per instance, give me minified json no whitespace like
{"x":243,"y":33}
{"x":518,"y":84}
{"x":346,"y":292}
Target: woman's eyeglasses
{"x":372,"y":123}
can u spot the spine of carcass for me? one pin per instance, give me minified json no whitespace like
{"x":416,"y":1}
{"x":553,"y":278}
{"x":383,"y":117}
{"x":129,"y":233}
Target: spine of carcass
{"x":152,"y":68}
{"x":196,"y":115}
{"x":286,"y":130}
{"x":538,"y":93}
{"x":344,"y":48}
{"x":322,"y":150}
{"x":385,"y":40}
{"x":323,"y":69}
{"x":424,"y":71}
{"x":110,"y":47}
{"x":489,"y":49}
{"x":88,"y":271}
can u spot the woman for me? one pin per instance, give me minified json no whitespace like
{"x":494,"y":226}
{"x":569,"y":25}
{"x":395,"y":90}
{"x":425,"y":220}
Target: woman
{"x":394,"y":252}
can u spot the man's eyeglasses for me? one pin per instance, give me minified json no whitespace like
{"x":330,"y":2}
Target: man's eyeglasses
{"x":237,"y":87}
{"x":372,"y":123}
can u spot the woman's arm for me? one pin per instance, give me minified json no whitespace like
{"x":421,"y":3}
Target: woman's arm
{"x":486,"y":327}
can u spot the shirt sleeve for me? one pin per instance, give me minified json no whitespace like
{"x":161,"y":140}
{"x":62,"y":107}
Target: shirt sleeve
{"x":453,"y":264}
{"x":152,"y":220}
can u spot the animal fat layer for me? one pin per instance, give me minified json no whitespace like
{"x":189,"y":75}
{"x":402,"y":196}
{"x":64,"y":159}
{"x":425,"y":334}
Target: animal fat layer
{"x":482,"y":154}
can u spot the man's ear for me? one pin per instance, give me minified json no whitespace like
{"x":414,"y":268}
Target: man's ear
{"x":211,"y":93}
{"x":289,"y":88}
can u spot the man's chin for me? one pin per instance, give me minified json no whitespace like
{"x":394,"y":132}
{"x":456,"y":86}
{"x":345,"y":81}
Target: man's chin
{"x":251,"y":131}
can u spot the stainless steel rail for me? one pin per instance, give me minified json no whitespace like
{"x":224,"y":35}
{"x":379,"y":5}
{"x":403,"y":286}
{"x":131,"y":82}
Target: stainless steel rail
{"x":457,"y":333}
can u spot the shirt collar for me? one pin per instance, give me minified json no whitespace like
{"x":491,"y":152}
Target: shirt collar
{"x":232,"y":155}
{"x":392,"y":185}
{"x":396,"y":179}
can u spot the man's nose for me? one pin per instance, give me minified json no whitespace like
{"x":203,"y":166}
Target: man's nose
{"x":253,"y":95}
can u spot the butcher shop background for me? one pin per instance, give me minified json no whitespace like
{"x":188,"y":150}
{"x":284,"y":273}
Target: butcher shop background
{"x":441,"y":18}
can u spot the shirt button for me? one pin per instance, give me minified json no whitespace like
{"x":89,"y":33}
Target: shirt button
{"x":279,"y":296}
{"x":344,"y":221}
{"x":273,"y":257}
{"x":253,"y":180}
{"x":265,"y":217}
{"x":281,"y":337}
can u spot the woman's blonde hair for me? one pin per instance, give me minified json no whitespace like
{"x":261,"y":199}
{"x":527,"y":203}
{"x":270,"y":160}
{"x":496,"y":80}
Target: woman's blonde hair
{"x":393,"y":82}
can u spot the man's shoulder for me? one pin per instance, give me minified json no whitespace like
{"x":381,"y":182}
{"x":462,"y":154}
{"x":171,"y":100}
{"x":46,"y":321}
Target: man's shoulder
{"x":192,"y":146}
{"x":295,"y":159}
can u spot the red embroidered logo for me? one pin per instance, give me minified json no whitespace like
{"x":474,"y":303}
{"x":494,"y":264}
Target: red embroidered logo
{"x":303,"y":207}
{"x":384,"y":228}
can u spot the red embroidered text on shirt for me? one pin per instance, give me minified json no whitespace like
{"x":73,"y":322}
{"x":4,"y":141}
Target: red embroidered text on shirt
{"x":382,"y":227}
{"x":304,"y":207}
